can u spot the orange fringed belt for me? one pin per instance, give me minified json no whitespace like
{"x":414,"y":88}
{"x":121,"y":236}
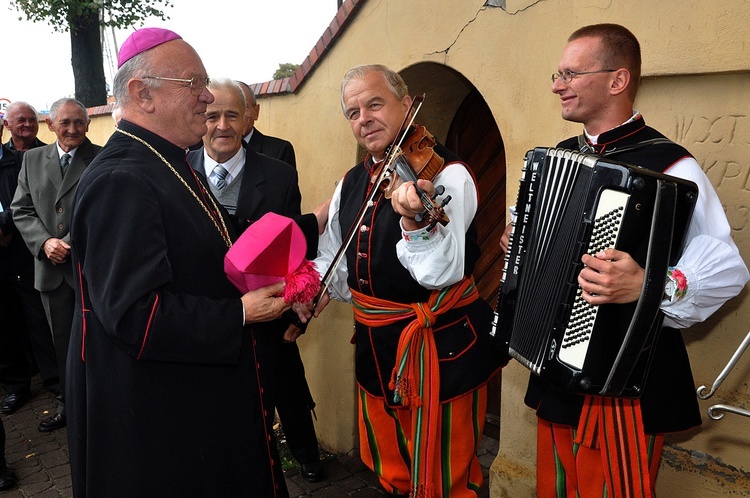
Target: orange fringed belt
{"x":615,"y":426}
{"x":416,"y":377}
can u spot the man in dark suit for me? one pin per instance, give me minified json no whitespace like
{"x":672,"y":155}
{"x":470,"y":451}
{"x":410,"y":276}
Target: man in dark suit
{"x":25,"y":338}
{"x":249,"y":185}
{"x":41,"y":210}
{"x":270,"y":146}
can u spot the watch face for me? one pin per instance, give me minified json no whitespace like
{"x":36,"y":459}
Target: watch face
{"x":669,"y":289}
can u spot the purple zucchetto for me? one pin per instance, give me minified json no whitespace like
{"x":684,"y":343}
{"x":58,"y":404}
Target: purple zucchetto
{"x":142,"y":40}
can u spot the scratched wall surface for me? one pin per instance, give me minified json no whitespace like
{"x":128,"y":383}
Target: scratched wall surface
{"x":710,"y":115}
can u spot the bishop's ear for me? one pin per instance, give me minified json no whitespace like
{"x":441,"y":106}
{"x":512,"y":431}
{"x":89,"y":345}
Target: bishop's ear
{"x":140,"y":93}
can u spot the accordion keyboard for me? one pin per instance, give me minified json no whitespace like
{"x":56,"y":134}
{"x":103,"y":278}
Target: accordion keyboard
{"x":607,"y":223}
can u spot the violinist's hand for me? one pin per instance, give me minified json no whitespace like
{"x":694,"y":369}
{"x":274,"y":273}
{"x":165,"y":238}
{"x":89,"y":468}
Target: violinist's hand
{"x":305,"y":310}
{"x":505,"y":238}
{"x":406,"y":202}
{"x":610,"y":277}
{"x":264,"y":304}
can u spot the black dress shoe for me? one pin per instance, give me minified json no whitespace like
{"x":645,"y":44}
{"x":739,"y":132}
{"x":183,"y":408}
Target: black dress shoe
{"x":7,"y":478}
{"x":56,"y":421}
{"x":13,"y":401}
{"x":313,"y":471}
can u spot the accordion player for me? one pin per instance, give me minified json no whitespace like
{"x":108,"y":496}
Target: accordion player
{"x":569,"y":204}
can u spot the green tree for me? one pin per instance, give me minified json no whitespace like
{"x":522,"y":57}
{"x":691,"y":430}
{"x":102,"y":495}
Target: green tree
{"x":84,"y":20}
{"x":285,"y":71}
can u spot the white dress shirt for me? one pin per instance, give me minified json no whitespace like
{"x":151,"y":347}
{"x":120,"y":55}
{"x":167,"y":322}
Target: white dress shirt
{"x":233,"y":166}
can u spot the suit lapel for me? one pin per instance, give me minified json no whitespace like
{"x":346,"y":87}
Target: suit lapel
{"x":81,"y":159}
{"x":52,"y":167}
{"x":250,"y":196}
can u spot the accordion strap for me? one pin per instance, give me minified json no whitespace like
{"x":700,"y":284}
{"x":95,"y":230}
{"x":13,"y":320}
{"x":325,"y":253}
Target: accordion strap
{"x":646,"y":321}
{"x":584,"y":146}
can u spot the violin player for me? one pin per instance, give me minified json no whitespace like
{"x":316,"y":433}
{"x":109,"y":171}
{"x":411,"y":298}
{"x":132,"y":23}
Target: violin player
{"x":431,"y":349}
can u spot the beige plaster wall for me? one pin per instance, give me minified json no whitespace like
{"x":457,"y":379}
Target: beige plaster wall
{"x":696,"y":89}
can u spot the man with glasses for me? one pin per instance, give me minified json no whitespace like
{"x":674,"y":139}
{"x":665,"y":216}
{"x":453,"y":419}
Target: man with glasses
{"x":597,"y":81}
{"x":164,"y":390}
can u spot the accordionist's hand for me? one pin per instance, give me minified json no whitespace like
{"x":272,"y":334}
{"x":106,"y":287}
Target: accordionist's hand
{"x":505,"y":238}
{"x":610,"y":276}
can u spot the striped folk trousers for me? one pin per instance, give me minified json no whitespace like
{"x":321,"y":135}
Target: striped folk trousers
{"x":385,"y":446}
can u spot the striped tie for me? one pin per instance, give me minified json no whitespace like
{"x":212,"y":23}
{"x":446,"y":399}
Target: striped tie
{"x":221,"y":174}
{"x":64,"y":163}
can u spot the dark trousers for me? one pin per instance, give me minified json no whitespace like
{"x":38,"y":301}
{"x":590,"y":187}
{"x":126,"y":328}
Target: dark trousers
{"x":2,"y":445}
{"x":25,"y":341}
{"x":58,"y":306}
{"x":294,"y":405}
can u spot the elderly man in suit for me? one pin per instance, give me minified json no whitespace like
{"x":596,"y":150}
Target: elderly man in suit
{"x":41,"y":210}
{"x":249,"y":185}
{"x":265,"y":144}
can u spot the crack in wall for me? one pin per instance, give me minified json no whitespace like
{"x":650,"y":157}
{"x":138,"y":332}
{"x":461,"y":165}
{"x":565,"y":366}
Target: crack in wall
{"x":489,"y":4}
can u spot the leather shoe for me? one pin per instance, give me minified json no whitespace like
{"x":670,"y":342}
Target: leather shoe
{"x":13,"y":401}
{"x":7,"y":478}
{"x":56,"y":421}
{"x":313,"y":471}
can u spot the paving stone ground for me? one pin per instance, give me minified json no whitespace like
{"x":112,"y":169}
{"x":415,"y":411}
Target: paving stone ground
{"x":41,"y":461}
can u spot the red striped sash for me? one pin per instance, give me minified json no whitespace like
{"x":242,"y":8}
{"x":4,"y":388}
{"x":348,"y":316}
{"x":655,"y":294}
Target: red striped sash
{"x":416,"y":376}
{"x":615,"y":426}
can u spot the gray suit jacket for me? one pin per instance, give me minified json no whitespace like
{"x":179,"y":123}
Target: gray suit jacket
{"x":42,"y":204}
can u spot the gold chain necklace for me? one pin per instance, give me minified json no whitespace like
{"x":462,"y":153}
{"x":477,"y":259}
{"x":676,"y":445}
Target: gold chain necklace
{"x":223,"y":228}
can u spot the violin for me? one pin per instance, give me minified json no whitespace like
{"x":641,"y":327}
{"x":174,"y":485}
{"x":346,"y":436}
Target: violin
{"x":412,"y":158}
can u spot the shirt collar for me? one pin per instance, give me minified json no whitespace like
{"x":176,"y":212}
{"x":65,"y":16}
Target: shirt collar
{"x":594,"y":139}
{"x":60,"y":152}
{"x":233,"y":166}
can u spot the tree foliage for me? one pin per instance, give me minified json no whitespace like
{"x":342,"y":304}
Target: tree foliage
{"x":62,"y":15}
{"x":285,"y":71}
{"x":84,"y":19}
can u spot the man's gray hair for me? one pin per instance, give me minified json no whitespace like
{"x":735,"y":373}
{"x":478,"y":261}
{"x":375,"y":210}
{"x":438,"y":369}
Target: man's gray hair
{"x":137,"y":67}
{"x":19,"y":105}
{"x":394,"y":80}
{"x":61,"y":102}
{"x":227,"y":84}
{"x":253,"y":101}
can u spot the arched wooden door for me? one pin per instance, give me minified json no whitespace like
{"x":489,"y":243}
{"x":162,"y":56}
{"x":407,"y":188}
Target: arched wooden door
{"x":474,"y":136}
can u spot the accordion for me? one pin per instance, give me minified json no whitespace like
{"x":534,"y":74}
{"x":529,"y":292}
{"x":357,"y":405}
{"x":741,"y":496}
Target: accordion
{"x":569,"y":204}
